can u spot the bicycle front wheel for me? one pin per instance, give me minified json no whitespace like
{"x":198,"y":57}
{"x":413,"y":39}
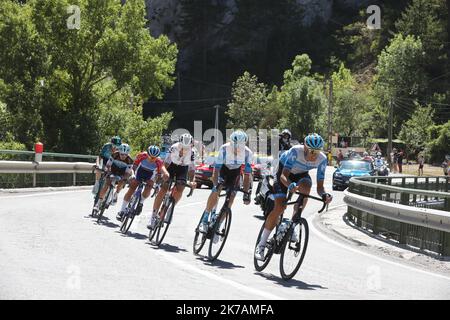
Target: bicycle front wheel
{"x":293,"y":250}
{"x":161,"y":228}
{"x":126,"y":224}
{"x":199,"y":239}
{"x":261,"y":265}
{"x":103,"y":205}
{"x":220,"y":234}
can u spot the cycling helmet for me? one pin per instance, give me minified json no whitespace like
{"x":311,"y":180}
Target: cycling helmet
{"x":116,"y":141}
{"x":239,"y":137}
{"x":186,"y":139}
{"x":124,"y":148}
{"x":314,"y":141}
{"x":286,"y":131}
{"x":153,"y":151}
{"x":378,"y":154}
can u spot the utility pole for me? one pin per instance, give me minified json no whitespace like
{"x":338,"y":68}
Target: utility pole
{"x":389,"y":150}
{"x":330,"y":114}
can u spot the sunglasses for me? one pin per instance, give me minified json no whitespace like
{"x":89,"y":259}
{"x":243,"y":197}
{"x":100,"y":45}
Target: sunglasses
{"x":314,"y":151}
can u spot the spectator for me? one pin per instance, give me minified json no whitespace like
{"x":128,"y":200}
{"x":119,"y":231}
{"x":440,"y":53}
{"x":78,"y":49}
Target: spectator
{"x":420,"y":161}
{"x":340,"y":157}
{"x":394,"y":160}
{"x":400,"y":156}
{"x":446,"y":165}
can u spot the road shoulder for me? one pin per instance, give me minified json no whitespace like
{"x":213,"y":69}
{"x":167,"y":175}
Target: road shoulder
{"x":334,"y":224}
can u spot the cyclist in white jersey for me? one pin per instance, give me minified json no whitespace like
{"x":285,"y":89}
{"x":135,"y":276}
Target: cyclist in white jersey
{"x":292,"y":176}
{"x":227,"y":172}
{"x":179,"y":162}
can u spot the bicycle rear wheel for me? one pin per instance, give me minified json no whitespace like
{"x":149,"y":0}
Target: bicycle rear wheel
{"x":220,"y":234}
{"x":161,"y":228}
{"x":199,"y":239}
{"x":293,"y":253}
{"x":261,"y":265}
{"x":126,"y":224}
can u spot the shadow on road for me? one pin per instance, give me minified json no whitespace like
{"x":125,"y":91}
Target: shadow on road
{"x":106,"y":222}
{"x":293,"y":283}
{"x":167,"y":247}
{"x":259,"y":217}
{"x":138,"y":236}
{"x":219,"y":263}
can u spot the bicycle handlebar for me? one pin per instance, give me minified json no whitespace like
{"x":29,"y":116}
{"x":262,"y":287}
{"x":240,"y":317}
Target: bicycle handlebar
{"x":305,"y":196}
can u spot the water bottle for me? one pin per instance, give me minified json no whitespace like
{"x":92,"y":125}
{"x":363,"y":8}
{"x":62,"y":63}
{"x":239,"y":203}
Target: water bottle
{"x":213,"y":217}
{"x":282,"y":229}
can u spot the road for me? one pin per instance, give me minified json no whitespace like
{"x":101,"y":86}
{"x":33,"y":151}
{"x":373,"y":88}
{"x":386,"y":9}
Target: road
{"x":51,"y":249}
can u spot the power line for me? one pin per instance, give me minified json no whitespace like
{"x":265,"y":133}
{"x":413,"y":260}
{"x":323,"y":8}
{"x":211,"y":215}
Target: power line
{"x":189,"y":101}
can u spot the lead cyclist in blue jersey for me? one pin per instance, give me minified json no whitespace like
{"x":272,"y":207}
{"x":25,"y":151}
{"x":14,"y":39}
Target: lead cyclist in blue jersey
{"x":292,"y":176}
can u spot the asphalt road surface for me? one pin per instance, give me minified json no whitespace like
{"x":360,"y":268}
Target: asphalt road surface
{"x":51,"y":249}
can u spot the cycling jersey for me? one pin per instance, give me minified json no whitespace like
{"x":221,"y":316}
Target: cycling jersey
{"x":143,"y":162}
{"x":180,"y":156}
{"x":119,"y":166}
{"x":294,"y":160}
{"x":106,"y":151}
{"x":231,"y":160}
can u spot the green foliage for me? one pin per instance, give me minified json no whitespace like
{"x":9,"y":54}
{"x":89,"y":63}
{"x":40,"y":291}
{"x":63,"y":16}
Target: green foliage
{"x":439,"y":144}
{"x":246,"y":108}
{"x":350,"y":104}
{"x":414,"y":132}
{"x":400,"y":71}
{"x":111,"y":44}
{"x":302,"y":100}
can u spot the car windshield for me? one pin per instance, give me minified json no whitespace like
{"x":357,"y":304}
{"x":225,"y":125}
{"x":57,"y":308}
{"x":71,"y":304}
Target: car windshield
{"x":356,"y":165}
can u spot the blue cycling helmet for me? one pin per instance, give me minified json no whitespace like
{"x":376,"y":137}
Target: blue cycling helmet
{"x":153,"y":151}
{"x":239,"y":137}
{"x":314,"y":141}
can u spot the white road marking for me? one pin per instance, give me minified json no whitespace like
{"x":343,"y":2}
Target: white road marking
{"x":42,"y":194}
{"x":237,"y":285}
{"x":326,"y":238}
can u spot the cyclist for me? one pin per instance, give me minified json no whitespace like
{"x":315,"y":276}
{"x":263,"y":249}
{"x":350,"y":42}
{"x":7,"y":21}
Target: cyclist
{"x":180,"y":163}
{"x":227,"y":170}
{"x":284,"y":141}
{"x":293,"y":175}
{"x":107,"y":150}
{"x":146,"y":167}
{"x":119,"y":165}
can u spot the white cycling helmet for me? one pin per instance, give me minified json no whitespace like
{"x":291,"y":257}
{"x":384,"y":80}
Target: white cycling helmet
{"x":124,"y":148}
{"x":186,"y":139}
{"x":286,"y":131}
{"x":239,"y":137}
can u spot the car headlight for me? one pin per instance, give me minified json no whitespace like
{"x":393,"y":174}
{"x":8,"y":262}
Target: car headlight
{"x":338,"y":175}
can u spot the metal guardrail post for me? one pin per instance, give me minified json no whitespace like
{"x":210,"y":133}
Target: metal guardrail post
{"x":34,"y":179}
{"x":74,"y":178}
{"x":445,"y":248}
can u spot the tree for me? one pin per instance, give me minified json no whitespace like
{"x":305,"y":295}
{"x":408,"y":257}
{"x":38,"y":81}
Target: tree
{"x":439,"y":144}
{"x":414,"y":132}
{"x":350,"y":103}
{"x":246,"y":108}
{"x":400,"y":74}
{"x":112,"y":44}
{"x":302,"y":100}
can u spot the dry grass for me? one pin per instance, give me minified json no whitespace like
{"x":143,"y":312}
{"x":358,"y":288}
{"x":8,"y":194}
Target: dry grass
{"x":428,"y":170}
